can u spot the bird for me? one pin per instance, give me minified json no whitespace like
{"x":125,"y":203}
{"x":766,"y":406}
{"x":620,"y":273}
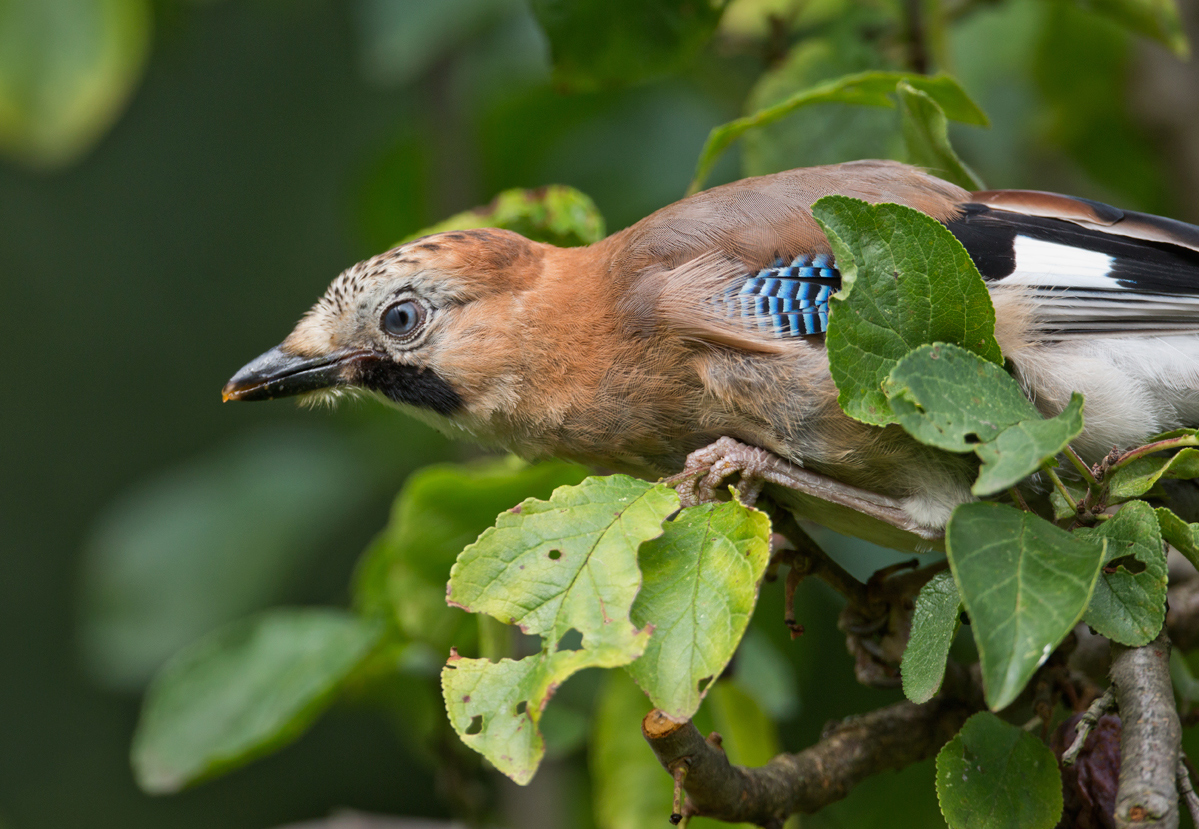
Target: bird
{"x":696,"y":336}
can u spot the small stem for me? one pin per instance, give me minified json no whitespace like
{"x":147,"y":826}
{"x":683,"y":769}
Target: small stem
{"x":1057,"y":482}
{"x":1081,"y":466}
{"x":816,"y":562}
{"x":917,"y":48}
{"x":1188,"y":791}
{"x":1149,"y":448}
{"x":794,"y":577}
{"x":679,"y":773}
{"x":1088,"y":720}
{"x":1019,"y":499}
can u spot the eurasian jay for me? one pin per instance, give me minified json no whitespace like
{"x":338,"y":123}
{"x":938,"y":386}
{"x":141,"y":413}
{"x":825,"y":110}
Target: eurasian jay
{"x":706,"y":320}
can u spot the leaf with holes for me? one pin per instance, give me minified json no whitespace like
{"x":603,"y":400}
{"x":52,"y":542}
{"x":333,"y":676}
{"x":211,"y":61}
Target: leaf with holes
{"x":1023,"y":447}
{"x":1025,"y":584}
{"x":1137,"y":477}
{"x":994,"y":775}
{"x":702,"y":577}
{"x":906,"y":282}
{"x":441,"y":509}
{"x":951,"y":398}
{"x":934,"y":623}
{"x":562,"y":569}
{"x":1129,"y":605}
{"x":945,"y":396}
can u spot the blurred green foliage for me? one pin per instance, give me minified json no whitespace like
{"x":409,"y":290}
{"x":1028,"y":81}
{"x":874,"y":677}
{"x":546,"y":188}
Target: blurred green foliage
{"x":263,"y":147}
{"x":67,"y":69}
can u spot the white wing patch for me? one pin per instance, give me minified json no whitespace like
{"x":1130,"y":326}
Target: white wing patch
{"x":1074,"y":293}
{"x":1041,"y":264}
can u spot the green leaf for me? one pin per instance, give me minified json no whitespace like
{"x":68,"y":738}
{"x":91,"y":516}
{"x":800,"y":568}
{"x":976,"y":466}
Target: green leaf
{"x":67,"y":69}
{"x":1156,"y":19}
{"x":994,"y":775}
{"x":1180,"y":535}
{"x":702,"y":577}
{"x":552,"y":567}
{"x":1174,"y":434}
{"x":831,"y":132}
{"x":1129,"y":604}
{"x":1061,"y":507}
{"x":244,"y":691}
{"x":211,"y":541}
{"x":947,"y":397}
{"x":440,"y":510}
{"x":594,"y":43}
{"x":1023,"y":447}
{"x":1138,"y":476}
{"x":935,"y":621}
{"x":1025,"y":584}
{"x":926,"y":134}
{"x":864,"y":88}
{"x":557,"y":214}
{"x":906,"y":281}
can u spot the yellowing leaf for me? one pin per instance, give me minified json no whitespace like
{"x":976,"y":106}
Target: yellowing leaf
{"x":564,"y":569}
{"x":702,"y":577}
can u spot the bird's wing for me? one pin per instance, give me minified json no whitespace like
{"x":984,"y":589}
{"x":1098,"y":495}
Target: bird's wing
{"x":1087,"y":213}
{"x":745,"y":264}
{"x":1087,"y":268}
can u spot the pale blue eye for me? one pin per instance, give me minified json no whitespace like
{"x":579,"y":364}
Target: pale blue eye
{"x":403,"y":318}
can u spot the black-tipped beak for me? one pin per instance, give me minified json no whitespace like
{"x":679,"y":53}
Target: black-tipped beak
{"x":280,"y":373}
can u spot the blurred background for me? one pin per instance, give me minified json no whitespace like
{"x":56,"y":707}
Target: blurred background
{"x":180,"y":180}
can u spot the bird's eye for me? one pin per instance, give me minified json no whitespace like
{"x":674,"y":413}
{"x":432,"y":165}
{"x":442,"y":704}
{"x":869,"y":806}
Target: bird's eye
{"x":403,"y":318}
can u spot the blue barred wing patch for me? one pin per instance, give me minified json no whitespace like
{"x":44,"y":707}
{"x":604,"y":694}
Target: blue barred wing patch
{"x":786,"y":300}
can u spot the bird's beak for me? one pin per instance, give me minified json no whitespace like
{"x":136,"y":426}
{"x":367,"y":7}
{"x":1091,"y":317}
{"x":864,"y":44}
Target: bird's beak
{"x":282,"y":373}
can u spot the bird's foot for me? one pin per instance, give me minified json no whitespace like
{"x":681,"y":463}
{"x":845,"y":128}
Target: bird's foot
{"x":706,"y":469}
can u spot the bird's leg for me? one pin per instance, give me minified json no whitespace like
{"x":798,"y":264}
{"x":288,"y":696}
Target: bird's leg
{"x":707,"y":468}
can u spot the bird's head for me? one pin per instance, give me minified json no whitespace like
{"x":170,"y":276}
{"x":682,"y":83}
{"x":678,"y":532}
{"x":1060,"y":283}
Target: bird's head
{"x":431,"y":325}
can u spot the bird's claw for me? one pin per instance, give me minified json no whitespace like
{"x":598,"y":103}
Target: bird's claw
{"x":708,"y":468}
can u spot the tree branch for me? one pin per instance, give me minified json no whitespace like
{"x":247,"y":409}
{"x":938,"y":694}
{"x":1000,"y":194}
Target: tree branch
{"x":1150,"y":738}
{"x":891,"y":738}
